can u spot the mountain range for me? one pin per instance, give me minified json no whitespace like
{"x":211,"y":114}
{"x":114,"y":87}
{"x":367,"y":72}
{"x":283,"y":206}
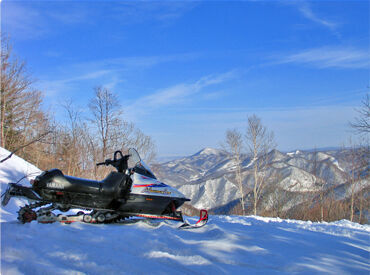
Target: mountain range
{"x":208,"y":178}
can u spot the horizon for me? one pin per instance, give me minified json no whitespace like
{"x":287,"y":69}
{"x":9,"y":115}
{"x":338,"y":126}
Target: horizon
{"x":185,"y":72}
{"x":169,"y":158}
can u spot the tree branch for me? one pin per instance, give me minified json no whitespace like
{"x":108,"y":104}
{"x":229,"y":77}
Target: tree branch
{"x":25,"y":145}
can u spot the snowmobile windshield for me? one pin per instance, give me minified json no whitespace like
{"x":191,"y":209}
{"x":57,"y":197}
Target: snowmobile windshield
{"x":139,"y":165}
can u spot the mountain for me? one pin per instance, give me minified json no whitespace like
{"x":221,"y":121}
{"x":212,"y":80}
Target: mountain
{"x":208,"y":178}
{"x":226,"y":245}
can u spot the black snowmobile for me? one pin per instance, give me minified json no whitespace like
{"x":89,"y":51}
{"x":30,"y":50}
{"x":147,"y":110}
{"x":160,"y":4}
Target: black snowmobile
{"x":132,"y":191}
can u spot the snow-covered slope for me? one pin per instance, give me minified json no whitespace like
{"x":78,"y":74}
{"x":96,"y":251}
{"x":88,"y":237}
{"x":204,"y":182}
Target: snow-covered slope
{"x":18,"y":170}
{"x":226,"y":245}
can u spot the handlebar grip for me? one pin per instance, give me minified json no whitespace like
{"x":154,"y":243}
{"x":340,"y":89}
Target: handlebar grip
{"x":100,"y":163}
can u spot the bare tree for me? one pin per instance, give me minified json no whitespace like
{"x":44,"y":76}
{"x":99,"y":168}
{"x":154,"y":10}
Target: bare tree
{"x":20,"y":104}
{"x":144,"y":144}
{"x":277,"y":196}
{"x":106,"y":116}
{"x":73,"y":145}
{"x":234,"y":144}
{"x":25,"y":145}
{"x":358,"y":160}
{"x":115,"y":133}
{"x":319,"y":181}
{"x":260,"y":142}
{"x":362,"y":123}
{"x":23,"y":125}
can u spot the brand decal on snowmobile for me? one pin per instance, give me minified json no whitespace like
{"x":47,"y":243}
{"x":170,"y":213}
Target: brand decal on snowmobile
{"x":156,"y":184}
{"x":54,"y":185}
{"x":151,"y":185}
{"x":150,"y":190}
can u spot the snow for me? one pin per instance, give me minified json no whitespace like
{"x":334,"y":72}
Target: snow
{"x":13,"y":170}
{"x":208,"y":151}
{"x":226,"y":245}
{"x":211,"y":193}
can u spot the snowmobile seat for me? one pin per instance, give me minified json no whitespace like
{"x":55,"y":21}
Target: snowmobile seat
{"x":110,"y":186}
{"x":80,"y":185}
{"x":113,"y":185}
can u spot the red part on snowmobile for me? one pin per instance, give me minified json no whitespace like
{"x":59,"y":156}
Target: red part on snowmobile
{"x":203,"y":219}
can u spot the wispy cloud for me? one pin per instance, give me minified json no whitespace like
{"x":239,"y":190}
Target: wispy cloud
{"x":306,"y":10}
{"x":107,"y":72}
{"x":138,"y":12}
{"x":175,"y":94}
{"x":329,"y":57}
{"x":54,"y":88}
{"x":29,"y":20}
{"x":139,"y":62}
{"x":35,"y":19}
{"x":21,"y":21}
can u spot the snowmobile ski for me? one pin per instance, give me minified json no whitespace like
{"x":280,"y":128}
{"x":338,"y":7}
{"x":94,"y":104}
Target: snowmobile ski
{"x":203,"y":219}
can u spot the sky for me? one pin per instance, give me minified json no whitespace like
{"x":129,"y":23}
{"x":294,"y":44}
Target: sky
{"x":185,"y":72}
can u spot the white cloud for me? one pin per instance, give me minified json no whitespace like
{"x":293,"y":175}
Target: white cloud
{"x":140,"y":11}
{"x":330,"y":57}
{"x":133,"y":62}
{"x":30,"y":20}
{"x":35,"y":19}
{"x":21,"y":21}
{"x":107,"y":72}
{"x":307,"y":12}
{"x":175,"y":94}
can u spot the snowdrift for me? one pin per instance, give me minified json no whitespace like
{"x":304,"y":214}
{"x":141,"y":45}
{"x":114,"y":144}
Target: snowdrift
{"x":13,"y":170}
{"x":227,"y":245}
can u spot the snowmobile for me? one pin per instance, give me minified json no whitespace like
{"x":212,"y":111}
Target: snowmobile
{"x":131,"y":191}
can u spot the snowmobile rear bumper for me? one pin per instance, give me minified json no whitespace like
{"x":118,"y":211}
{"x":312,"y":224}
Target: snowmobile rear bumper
{"x":16,"y":190}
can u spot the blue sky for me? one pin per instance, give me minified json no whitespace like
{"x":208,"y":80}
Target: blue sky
{"x":185,"y":72}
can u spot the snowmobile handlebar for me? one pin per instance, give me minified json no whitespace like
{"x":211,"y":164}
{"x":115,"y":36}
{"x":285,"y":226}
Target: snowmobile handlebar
{"x":119,"y":162}
{"x":107,"y":162}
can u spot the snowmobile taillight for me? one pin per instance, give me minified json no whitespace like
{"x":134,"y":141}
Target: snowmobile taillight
{"x":59,"y":193}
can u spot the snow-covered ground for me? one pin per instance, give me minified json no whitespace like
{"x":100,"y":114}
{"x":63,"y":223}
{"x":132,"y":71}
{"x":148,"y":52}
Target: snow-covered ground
{"x":227,"y":245}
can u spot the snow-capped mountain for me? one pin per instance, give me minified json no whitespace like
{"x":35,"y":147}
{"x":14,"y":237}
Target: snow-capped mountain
{"x":208,"y":177}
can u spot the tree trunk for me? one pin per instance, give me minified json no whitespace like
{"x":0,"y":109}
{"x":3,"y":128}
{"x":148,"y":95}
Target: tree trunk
{"x":3,"y":100}
{"x":352,"y":206}
{"x":255,"y":190}
{"x":322,"y":206}
{"x":240,"y":183}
